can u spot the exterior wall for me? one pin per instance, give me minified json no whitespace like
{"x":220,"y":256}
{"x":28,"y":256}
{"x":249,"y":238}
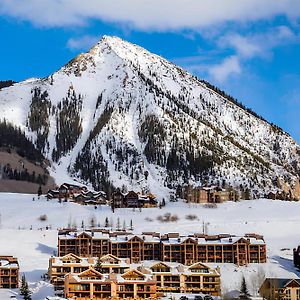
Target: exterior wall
{"x":275,"y":289}
{"x":57,"y":273}
{"x":108,"y":289}
{"x":188,"y":252}
{"x":9,"y":275}
{"x":196,"y":195}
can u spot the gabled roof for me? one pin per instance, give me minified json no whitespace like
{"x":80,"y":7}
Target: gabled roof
{"x":198,"y":265}
{"x":243,"y":240}
{"x":189,"y":239}
{"x":136,"y":237}
{"x":112,"y":257}
{"x":71,"y":255}
{"x":282,"y":283}
{"x":133,"y":274}
{"x":160,"y":264}
{"x":84,"y":234}
{"x":90,"y":272}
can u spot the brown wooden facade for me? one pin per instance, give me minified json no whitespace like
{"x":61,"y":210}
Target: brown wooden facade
{"x":145,"y":281}
{"x":91,"y":284}
{"x":9,"y":272}
{"x":280,"y":289}
{"x":169,"y":248}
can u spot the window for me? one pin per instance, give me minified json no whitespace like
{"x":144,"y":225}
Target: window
{"x":288,"y":294}
{"x":298,"y":294}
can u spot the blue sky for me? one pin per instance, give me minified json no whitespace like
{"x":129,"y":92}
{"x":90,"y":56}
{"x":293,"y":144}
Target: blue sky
{"x":248,"y":48}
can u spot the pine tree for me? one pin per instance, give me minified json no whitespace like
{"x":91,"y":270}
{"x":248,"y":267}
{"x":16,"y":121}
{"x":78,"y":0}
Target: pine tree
{"x":98,"y":264}
{"x":124,"y":226}
{"x":131,"y":225}
{"x":24,"y":289}
{"x":244,"y":293}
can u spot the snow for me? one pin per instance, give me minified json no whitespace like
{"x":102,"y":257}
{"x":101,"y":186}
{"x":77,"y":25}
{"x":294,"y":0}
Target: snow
{"x":276,"y":220}
{"x":113,"y":68}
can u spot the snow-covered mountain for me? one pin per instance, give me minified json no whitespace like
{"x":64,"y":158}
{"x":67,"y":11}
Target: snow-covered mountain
{"x":120,"y":115}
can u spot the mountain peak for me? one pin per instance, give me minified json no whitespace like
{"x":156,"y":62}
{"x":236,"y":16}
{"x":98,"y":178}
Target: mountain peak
{"x":118,"y":112}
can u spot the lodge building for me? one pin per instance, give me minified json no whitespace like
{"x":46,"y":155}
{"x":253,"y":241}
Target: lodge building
{"x":9,"y":272}
{"x":110,"y":276}
{"x":171,"y":247}
{"x":92,"y":284}
{"x":71,"y":263}
{"x":280,"y":289}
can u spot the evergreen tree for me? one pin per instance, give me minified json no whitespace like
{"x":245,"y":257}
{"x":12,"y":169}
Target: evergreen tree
{"x":98,"y":264}
{"x":244,"y":293}
{"x":131,"y":225}
{"x":24,"y":289}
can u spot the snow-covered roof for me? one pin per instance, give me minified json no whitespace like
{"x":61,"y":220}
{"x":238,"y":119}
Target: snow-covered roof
{"x":170,"y":238}
{"x":8,"y":262}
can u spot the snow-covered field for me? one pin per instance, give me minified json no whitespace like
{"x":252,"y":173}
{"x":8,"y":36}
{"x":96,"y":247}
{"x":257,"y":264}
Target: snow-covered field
{"x":22,"y":234}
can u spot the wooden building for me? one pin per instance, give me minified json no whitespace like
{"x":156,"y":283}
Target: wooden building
{"x":59,"y":267}
{"x":170,"y":247}
{"x":280,"y":289}
{"x":91,"y":198}
{"x":118,"y":199}
{"x":178,"y":278}
{"x":9,"y":272}
{"x":119,"y":279}
{"x":131,"y":199}
{"x":207,"y":194}
{"x":195,"y":195}
{"x":92,"y":284}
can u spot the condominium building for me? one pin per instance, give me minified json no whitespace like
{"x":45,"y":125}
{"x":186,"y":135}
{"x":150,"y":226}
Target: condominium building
{"x":178,"y":278}
{"x":280,"y":289}
{"x":59,"y":267}
{"x":171,"y":247}
{"x":9,"y":272}
{"x":149,"y":279}
{"x":92,"y":284}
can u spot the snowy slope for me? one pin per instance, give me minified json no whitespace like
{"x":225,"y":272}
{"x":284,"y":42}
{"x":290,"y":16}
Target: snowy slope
{"x":276,"y":220}
{"x":117,"y":111}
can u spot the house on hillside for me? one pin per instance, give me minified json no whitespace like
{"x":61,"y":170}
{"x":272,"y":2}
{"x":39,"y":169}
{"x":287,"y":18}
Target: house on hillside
{"x":91,"y":198}
{"x":118,"y":199}
{"x":147,"y":201}
{"x":67,"y":190}
{"x":207,"y":194}
{"x":280,"y":289}
{"x":132,"y":199}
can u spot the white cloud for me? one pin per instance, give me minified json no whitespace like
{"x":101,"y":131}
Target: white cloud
{"x":148,"y":14}
{"x":228,"y":67}
{"x":244,"y":46}
{"x":82,"y":43}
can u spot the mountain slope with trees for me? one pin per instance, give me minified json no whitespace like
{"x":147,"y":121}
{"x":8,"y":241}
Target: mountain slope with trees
{"x":120,"y":116}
